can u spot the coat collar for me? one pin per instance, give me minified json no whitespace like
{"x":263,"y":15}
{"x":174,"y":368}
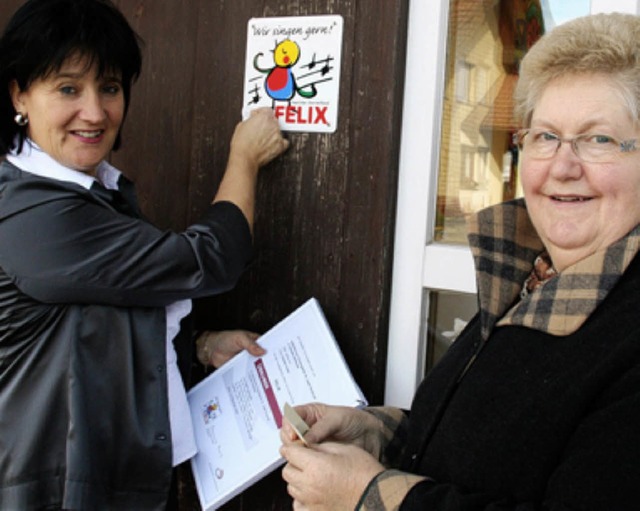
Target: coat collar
{"x":34,"y":160}
{"x":504,"y":244}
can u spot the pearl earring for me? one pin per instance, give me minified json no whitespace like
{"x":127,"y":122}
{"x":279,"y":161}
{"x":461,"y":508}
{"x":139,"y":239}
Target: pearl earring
{"x":21,"y":119}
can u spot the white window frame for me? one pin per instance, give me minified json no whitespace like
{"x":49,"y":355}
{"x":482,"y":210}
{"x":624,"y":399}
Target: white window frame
{"x":419,"y":264}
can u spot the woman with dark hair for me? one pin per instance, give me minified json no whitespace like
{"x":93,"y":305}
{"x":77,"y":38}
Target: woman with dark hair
{"x":94,"y":300}
{"x":39,"y":39}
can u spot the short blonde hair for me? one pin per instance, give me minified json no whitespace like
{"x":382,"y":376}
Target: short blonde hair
{"x":602,"y":44}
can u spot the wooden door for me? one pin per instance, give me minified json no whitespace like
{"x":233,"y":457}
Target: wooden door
{"x":325,"y":211}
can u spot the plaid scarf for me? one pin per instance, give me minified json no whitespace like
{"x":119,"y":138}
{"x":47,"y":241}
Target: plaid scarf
{"x":505,"y":245}
{"x":508,"y":253}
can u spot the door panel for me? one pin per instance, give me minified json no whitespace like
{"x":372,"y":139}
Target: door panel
{"x":325,"y":212}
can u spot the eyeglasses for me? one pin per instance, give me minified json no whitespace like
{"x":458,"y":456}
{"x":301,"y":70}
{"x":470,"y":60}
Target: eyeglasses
{"x":589,"y":147}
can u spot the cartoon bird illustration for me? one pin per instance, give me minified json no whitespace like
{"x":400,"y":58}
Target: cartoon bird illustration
{"x":280,"y":83}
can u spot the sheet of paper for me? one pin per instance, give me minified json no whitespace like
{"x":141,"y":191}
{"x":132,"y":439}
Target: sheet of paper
{"x":237,"y":410}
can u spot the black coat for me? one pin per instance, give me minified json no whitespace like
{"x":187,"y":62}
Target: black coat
{"x":84,"y":282}
{"x":537,"y":422}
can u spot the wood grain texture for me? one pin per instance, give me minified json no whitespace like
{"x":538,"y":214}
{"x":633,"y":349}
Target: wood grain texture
{"x":325,"y":210}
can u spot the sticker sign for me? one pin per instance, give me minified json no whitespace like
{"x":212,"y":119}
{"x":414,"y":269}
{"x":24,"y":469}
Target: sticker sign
{"x":293,"y":66}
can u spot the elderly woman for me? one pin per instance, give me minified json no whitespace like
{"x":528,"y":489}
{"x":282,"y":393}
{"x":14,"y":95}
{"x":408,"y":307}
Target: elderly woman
{"x":93,"y":411}
{"x":537,"y":403}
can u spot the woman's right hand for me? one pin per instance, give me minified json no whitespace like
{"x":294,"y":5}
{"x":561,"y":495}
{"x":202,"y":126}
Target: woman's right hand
{"x":255,"y":142}
{"x":258,"y":138}
{"x":341,"y":424}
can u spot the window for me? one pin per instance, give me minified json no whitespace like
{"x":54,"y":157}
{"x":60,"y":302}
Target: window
{"x":456,"y":157}
{"x":477,"y":165}
{"x":462,"y":81}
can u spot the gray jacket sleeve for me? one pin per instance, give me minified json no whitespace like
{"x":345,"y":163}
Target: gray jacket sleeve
{"x":63,"y":244}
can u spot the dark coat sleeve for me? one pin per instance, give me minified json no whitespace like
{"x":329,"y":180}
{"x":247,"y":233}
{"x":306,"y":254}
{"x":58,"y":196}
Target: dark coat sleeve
{"x":598,"y":467}
{"x":63,"y":244}
{"x":599,"y":470}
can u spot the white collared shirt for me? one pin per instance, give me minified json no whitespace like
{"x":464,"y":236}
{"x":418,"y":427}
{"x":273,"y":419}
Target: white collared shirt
{"x":34,"y":160}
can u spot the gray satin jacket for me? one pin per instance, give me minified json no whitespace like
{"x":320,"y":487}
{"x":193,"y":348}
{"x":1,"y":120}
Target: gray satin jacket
{"x":83,"y":285}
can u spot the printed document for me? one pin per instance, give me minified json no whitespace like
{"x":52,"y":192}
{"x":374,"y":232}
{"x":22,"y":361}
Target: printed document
{"x":238,"y":409}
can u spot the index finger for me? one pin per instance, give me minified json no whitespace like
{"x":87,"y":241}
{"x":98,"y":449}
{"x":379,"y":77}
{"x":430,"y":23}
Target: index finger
{"x":261,"y":110}
{"x":297,"y":455}
{"x":248,"y":341}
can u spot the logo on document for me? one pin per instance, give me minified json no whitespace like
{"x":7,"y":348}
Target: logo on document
{"x":210,"y":411}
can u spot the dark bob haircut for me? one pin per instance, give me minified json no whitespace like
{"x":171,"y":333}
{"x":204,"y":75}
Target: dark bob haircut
{"x":43,"y":34}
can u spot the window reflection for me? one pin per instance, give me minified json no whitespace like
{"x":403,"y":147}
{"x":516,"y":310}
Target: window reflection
{"x":449,"y":313}
{"x":478,"y":163}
